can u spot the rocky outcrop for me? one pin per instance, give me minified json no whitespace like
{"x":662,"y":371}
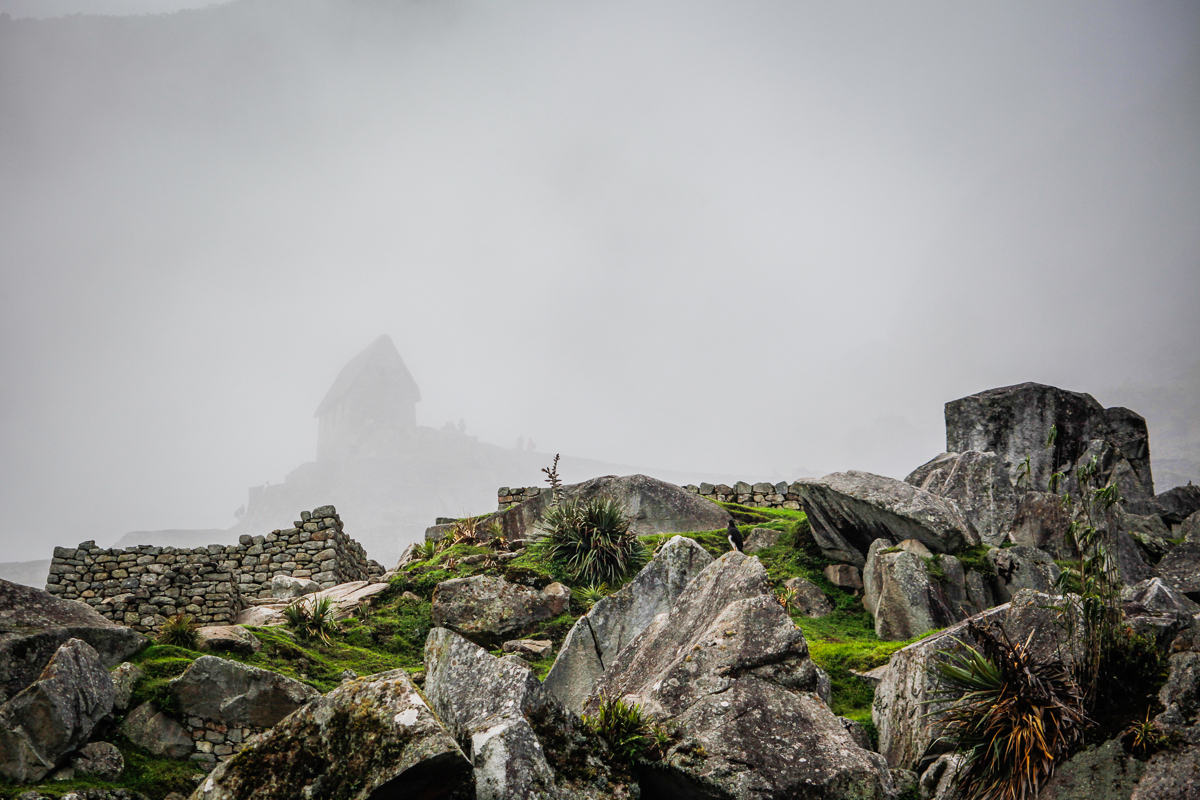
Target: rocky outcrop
{"x":900,"y":593}
{"x":285,"y":587}
{"x":761,"y":539}
{"x":55,"y":714}
{"x":152,"y":730}
{"x":1176,"y":505}
{"x":653,"y":506}
{"x":125,"y":678}
{"x":901,"y":710}
{"x":227,"y":639}
{"x":979,"y":485}
{"x":1155,"y":610}
{"x":369,"y":739}
{"x":1103,"y":772}
{"x":1014,"y":422}
{"x":237,"y":695}
{"x":34,"y":624}
{"x":730,"y":670}
{"x":849,"y":510}
{"x":488,"y":610}
{"x":613,"y":622}
{"x":511,"y":728}
{"x":1189,"y":529}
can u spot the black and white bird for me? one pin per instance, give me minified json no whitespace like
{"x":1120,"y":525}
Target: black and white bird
{"x":735,"y":537}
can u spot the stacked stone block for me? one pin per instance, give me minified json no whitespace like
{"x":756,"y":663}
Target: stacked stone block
{"x":216,"y":741}
{"x":506,"y":497}
{"x":758,"y":495}
{"x":142,"y":586}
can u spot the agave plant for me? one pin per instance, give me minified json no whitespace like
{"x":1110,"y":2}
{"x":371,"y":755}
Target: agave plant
{"x":1015,"y":718}
{"x":590,"y":540}
{"x":312,"y":619}
{"x":630,"y":734}
{"x":592,"y":593}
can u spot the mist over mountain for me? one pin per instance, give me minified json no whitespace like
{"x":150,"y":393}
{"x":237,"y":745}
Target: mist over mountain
{"x":753,"y":239}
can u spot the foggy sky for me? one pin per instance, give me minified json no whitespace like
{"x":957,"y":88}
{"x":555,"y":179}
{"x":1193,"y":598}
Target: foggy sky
{"x":749,"y":238}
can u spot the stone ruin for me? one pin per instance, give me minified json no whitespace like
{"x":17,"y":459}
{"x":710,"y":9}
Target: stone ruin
{"x":144,"y":585}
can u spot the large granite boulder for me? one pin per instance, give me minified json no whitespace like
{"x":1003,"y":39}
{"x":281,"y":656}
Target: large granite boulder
{"x":1102,"y":772}
{"x":727,"y":667}
{"x":227,"y":639}
{"x":55,"y":714}
{"x":489,"y":610}
{"x":369,"y":739}
{"x":653,"y":506}
{"x":99,"y":760}
{"x":613,"y":622}
{"x":1189,"y":529}
{"x":521,"y":742}
{"x":901,"y":706}
{"x":979,"y":484}
{"x":807,"y":598}
{"x":157,"y":732}
{"x":35,"y":623}
{"x":1014,"y":422}
{"x":236,"y":694}
{"x":900,"y":593}
{"x":849,"y":510}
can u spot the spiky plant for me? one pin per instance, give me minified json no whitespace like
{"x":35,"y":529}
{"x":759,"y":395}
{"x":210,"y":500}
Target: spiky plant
{"x":179,"y":630}
{"x":428,"y":549}
{"x":630,"y":734}
{"x":1013,"y":717}
{"x":786,"y":596}
{"x":590,"y":540}
{"x":591,"y":594}
{"x":312,"y":619}
{"x":466,"y":531}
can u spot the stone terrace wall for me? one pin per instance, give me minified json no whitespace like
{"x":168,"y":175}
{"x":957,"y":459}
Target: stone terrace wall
{"x":758,"y":495}
{"x":142,"y":586}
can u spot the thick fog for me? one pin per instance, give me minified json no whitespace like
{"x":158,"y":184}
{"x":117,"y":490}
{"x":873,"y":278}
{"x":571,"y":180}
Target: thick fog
{"x":754,"y":239}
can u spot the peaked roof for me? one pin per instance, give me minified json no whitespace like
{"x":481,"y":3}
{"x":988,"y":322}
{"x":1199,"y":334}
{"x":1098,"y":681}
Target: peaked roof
{"x":380,"y":354}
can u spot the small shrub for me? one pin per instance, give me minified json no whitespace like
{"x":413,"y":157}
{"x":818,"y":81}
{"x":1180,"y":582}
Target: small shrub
{"x":592,"y":593}
{"x":1014,"y":718}
{"x":312,"y":619}
{"x":590,"y":540}
{"x":180,"y":631}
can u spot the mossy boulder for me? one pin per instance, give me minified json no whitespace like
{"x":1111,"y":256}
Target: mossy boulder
{"x":370,"y":739}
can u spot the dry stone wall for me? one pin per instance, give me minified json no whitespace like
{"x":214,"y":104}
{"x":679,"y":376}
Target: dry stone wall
{"x":756,"y":495}
{"x":142,"y":586}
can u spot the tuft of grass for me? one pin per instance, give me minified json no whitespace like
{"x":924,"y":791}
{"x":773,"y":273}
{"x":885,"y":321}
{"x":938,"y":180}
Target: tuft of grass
{"x":630,"y":734}
{"x":180,"y":631}
{"x":312,"y":619}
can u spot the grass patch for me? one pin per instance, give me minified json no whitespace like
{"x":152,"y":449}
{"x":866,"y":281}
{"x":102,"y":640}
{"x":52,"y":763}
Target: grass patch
{"x":975,"y":558}
{"x":160,"y":663}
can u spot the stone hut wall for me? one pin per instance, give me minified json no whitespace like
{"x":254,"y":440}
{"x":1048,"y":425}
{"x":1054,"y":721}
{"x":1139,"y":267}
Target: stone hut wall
{"x":142,"y":586}
{"x":757,"y":495}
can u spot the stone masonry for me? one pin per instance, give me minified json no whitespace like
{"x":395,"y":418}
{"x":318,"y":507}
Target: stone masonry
{"x":142,"y":586}
{"x":758,"y":495}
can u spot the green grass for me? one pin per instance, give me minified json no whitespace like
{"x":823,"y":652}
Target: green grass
{"x":150,"y":775}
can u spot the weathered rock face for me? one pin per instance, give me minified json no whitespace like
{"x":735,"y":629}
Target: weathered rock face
{"x":1189,"y":529}
{"x":901,"y":595}
{"x":900,"y":706}
{"x":152,"y":730}
{"x":1172,"y":775}
{"x":55,"y":714}
{"x":34,"y":624}
{"x":727,"y":666}
{"x":1155,"y":610}
{"x":236,"y":694}
{"x":761,"y":539}
{"x":979,"y":484}
{"x":849,"y":510}
{"x":124,"y":678}
{"x":1041,"y":521}
{"x":511,"y":728}
{"x":1105,"y":772}
{"x":369,"y":739}
{"x":1014,"y":422}
{"x":654,"y":506}
{"x":227,"y":639}
{"x":844,"y":576}
{"x":809,"y":600}
{"x":1180,"y":569}
{"x":597,"y":637}
{"x":488,"y":610}
{"x":1020,"y":568}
